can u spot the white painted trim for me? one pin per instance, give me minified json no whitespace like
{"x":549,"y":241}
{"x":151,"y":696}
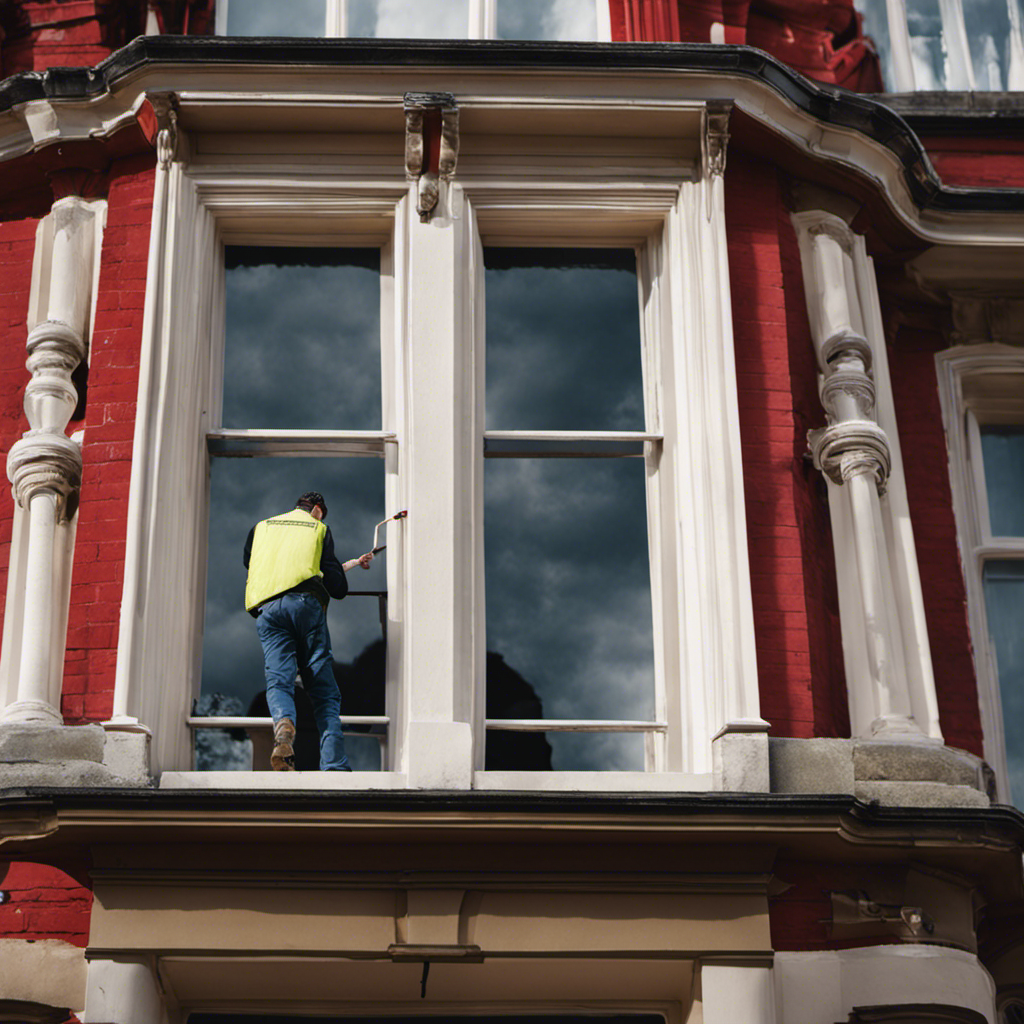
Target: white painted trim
{"x":956,"y":368}
{"x":827,"y":985}
{"x":63,"y":291}
{"x":595,"y":782}
{"x":311,"y":781}
{"x":730,"y":994}
{"x":889,"y":679}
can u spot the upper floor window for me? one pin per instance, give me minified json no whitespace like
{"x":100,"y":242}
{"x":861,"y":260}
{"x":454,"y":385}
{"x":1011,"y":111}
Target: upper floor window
{"x":542,"y":374}
{"x":579,"y":20}
{"x":929,"y":44}
{"x":982,"y":387}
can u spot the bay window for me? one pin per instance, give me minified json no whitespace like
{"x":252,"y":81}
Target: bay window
{"x":983,"y":409}
{"x":578,"y":20}
{"x":542,"y":374}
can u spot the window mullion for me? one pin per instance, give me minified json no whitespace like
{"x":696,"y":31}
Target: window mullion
{"x":336,"y":19}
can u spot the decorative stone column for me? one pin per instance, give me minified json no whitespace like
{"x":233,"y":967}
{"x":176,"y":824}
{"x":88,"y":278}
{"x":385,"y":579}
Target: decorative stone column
{"x":888,"y":667}
{"x":45,"y":466}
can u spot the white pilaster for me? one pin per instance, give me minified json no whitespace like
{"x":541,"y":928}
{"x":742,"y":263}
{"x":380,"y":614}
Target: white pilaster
{"x":125,"y":992}
{"x":710,"y":647}
{"x":45,"y":465}
{"x":885,"y":645}
{"x":443,"y":457}
{"x":731,"y":994}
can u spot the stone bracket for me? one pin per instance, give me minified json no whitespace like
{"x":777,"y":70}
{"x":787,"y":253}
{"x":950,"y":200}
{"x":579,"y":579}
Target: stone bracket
{"x":431,"y":145}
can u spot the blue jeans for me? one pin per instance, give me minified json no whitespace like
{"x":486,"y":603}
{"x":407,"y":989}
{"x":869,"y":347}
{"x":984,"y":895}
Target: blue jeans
{"x":293,"y":631}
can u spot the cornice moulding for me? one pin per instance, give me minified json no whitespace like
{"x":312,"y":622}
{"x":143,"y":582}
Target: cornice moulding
{"x":830,"y":125}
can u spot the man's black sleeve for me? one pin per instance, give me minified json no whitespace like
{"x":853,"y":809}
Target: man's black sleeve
{"x":247,"y":550}
{"x":334,"y":575}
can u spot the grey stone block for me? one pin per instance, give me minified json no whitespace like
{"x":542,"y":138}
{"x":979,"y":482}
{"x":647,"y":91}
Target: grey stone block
{"x":741,"y":762}
{"x":920,"y":794}
{"x":126,"y":754}
{"x":810,"y":766}
{"x":22,"y":774}
{"x":884,"y":761}
{"x":50,"y":743}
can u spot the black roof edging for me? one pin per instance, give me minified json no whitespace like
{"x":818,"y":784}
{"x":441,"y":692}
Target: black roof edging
{"x":829,"y":104}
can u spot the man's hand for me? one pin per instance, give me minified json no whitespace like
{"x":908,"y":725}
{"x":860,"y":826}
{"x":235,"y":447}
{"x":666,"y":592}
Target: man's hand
{"x":363,"y":561}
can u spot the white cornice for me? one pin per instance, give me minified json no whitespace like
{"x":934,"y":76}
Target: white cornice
{"x":565,"y":104}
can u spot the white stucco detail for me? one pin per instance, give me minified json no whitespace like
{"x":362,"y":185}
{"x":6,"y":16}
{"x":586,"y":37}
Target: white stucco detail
{"x":45,"y":465}
{"x":887,"y":657}
{"x":827,"y":985}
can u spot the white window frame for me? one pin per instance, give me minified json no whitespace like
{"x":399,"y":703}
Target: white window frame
{"x":980,"y":384}
{"x":482,"y":21}
{"x":706,"y":677}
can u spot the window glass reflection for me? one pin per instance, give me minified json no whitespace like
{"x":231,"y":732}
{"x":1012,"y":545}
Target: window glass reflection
{"x":1003,"y":455}
{"x":563,"y":340}
{"x":876,"y":27}
{"x":569,"y":600}
{"x":302,"y":341}
{"x":400,"y":19}
{"x":927,"y":51}
{"x":1004,"y":605}
{"x":570,"y":20}
{"x":244,"y":491}
{"x":275,"y":18}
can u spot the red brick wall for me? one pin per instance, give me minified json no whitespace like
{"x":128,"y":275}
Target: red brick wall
{"x":978,"y":162}
{"x":98,"y":574}
{"x":47,"y":33}
{"x":791,"y":561}
{"x":926,"y":465}
{"x":43,"y":902}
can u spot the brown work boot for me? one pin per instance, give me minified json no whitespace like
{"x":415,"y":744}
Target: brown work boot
{"x":282,"y":757}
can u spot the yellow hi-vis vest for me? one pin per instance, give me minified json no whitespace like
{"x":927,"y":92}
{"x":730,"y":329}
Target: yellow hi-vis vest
{"x":285,"y":551}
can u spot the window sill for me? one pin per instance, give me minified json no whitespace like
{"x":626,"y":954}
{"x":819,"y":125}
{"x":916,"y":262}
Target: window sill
{"x":283,"y":780}
{"x":602,"y":782}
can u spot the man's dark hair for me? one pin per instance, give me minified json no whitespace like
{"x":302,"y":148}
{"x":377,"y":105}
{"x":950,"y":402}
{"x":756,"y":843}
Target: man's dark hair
{"x":310,"y":500}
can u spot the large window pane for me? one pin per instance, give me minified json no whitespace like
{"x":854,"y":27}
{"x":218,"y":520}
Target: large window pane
{"x":302,"y":346}
{"x":988,"y":34}
{"x":400,"y":19}
{"x":927,"y":49}
{"x":876,"y":27}
{"x":563,"y":340}
{"x":1003,"y":455}
{"x":1004,"y":605}
{"x":244,"y":491}
{"x":569,"y":600}
{"x":547,"y":19}
{"x":277,"y":17}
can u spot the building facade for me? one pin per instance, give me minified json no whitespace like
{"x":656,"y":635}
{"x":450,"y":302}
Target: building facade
{"x":688,"y":689}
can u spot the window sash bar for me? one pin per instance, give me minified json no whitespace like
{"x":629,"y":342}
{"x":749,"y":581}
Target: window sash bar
{"x":572,"y":725}
{"x":258,"y":443}
{"x":246,"y":722}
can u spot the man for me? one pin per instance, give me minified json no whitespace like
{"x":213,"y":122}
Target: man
{"x":293,"y":573}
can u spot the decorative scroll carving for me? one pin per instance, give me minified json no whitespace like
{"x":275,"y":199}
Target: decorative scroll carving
{"x":716,"y":136}
{"x":165,"y":107}
{"x":431,"y":145}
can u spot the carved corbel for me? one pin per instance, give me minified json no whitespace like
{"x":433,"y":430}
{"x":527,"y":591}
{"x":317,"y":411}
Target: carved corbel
{"x":165,"y":106}
{"x":431,"y":145}
{"x":716,"y":136}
